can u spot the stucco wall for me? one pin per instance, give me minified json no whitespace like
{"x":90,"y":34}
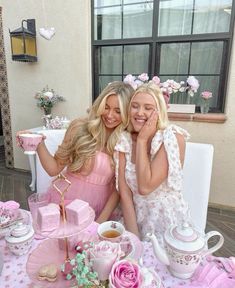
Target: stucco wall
{"x":65,"y":65}
{"x":64,"y":62}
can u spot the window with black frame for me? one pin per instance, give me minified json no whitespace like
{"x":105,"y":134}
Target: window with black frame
{"x":173,"y":39}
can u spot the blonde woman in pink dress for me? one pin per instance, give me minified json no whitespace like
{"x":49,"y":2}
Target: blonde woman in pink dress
{"x":87,"y":150}
{"x":149,"y":159}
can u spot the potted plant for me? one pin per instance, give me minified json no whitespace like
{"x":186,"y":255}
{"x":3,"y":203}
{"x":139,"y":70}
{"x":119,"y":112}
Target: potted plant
{"x":205,"y":101}
{"x":47,"y":98}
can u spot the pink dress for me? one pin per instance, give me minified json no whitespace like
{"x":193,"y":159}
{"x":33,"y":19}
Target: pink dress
{"x":165,"y":205}
{"x":94,"y":188}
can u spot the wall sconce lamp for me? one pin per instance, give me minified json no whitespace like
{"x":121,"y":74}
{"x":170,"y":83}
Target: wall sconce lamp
{"x":23,"y":42}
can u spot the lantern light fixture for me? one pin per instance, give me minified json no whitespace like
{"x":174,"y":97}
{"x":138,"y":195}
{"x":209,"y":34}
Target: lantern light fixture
{"x":23,"y":42}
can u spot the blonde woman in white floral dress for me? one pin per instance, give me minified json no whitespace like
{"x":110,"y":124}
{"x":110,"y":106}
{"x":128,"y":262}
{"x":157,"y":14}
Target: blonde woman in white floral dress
{"x":149,"y":162}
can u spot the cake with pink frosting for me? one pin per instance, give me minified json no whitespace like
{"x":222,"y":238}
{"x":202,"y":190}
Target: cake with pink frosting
{"x":48,"y":217}
{"x":77,"y":212}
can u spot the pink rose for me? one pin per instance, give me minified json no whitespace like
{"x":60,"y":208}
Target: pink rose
{"x":206,"y":95}
{"x":130,"y":79}
{"x":143,"y":77}
{"x":156,"y":80}
{"x":125,"y":274}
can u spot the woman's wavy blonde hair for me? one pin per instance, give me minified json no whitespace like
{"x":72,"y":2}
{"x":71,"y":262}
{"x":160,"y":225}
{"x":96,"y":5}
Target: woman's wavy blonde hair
{"x":152,"y":89}
{"x":90,"y":135}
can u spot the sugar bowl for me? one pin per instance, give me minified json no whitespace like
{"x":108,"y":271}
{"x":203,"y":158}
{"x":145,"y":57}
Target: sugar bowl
{"x":20,"y":239}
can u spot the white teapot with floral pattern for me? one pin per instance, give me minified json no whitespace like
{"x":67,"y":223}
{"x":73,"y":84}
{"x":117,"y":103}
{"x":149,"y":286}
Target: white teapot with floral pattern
{"x":185,"y":248}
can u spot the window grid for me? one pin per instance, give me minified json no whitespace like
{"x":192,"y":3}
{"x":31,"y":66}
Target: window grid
{"x":155,"y":43}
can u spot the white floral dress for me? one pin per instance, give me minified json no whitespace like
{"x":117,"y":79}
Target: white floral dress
{"x":164,"y":206}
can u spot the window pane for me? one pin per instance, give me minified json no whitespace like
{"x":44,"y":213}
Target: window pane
{"x":136,"y":59}
{"x":137,"y":20}
{"x":105,"y":80}
{"x":110,"y":60}
{"x":101,"y":3}
{"x":174,"y":58}
{"x":137,"y":1}
{"x":107,"y":24}
{"x":206,"y":58}
{"x":212,"y":16}
{"x":175,"y":17}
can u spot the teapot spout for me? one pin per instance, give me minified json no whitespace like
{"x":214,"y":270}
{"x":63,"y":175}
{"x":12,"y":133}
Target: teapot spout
{"x":159,"y":252}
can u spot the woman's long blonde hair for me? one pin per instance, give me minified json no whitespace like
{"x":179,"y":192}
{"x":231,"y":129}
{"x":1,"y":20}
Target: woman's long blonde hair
{"x":152,"y":89}
{"x":90,"y":135}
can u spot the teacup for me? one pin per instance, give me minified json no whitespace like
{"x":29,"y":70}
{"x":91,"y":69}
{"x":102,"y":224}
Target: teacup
{"x":29,"y":142}
{"x":111,"y":231}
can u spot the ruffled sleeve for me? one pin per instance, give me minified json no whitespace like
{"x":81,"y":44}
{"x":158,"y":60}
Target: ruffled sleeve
{"x":168,"y":138}
{"x":123,"y":145}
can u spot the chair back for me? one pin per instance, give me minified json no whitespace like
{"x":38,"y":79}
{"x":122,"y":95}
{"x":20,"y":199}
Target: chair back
{"x":53,"y":139}
{"x":196,"y":182}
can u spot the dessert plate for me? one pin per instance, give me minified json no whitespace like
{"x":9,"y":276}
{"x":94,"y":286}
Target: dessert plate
{"x":47,"y":252}
{"x":66,"y":229}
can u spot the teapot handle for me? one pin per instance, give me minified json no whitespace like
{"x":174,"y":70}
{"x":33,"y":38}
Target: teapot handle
{"x":217,"y":245}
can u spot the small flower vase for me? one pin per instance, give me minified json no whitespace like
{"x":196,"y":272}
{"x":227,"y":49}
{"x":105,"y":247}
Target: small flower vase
{"x":188,"y":99}
{"x":205,"y":106}
{"x":47,"y":110}
{"x":47,"y":117}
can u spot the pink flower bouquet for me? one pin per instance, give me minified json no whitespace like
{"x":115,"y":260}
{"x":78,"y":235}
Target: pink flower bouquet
{"x":125,"y":274}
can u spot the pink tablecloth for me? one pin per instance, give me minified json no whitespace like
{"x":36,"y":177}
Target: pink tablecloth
{"x":14,"y":270}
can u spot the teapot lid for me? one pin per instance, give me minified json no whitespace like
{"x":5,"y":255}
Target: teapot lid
{"x":184,"y":238}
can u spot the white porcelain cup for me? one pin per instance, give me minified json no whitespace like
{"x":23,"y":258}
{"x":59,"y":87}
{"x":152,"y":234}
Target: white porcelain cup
{"x":111,"y":231}
{"x":29,"y":142}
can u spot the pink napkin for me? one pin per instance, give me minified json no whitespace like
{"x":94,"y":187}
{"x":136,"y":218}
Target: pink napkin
{"x":217,"y":272}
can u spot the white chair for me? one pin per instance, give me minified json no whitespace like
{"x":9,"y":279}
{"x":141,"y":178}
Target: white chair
{"x":53,"y":139}
{"x":196,"y":184}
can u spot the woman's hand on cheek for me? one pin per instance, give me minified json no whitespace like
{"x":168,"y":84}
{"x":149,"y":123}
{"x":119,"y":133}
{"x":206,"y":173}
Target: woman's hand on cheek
{"x":150,"y":127}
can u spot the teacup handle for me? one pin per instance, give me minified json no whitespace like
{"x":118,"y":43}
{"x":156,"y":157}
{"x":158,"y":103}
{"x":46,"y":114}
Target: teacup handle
{"x":217,"y":245}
